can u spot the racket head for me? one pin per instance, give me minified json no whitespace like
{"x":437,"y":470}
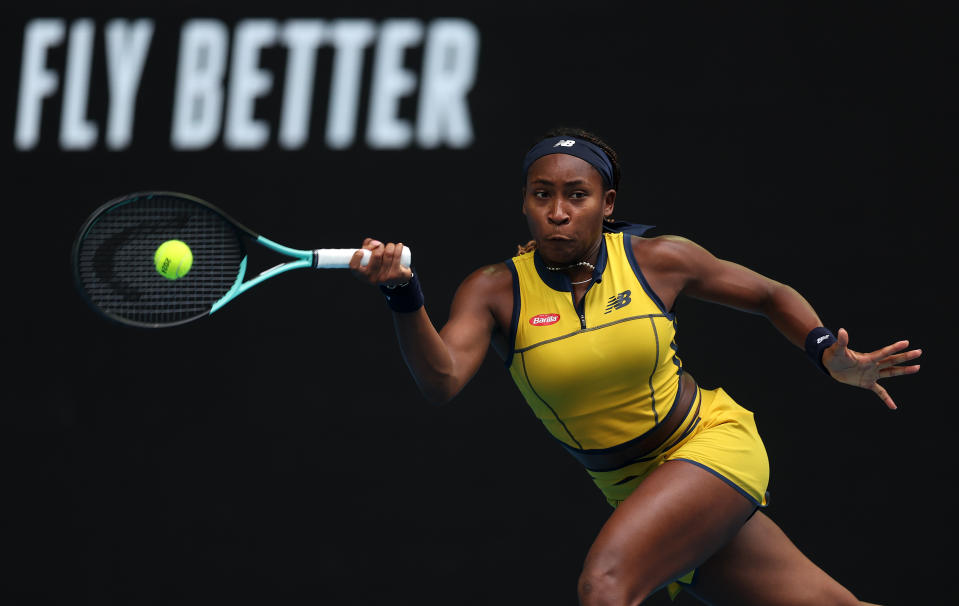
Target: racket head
{"x":113,"y":258}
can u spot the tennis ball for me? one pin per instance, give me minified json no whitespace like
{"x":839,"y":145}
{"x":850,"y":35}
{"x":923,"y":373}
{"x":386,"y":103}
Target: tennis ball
{"x":173,"y":259}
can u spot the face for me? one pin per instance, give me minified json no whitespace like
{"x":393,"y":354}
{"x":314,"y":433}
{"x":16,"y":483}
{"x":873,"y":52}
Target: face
{"x":565,"y":203}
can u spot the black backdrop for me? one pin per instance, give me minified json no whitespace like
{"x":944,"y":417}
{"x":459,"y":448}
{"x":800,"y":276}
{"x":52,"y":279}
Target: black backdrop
{"x":279,"y":450}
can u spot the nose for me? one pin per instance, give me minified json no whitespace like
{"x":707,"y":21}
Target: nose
{"x":557,"y":214}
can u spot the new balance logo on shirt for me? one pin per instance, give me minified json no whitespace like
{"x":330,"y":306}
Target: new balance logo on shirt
{"x":618,"y":301}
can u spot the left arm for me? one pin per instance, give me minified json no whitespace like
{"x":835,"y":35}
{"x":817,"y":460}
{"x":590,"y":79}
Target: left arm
{"x":683,"y":267}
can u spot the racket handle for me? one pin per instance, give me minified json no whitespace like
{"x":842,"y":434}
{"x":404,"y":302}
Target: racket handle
{"x":339,"y":258}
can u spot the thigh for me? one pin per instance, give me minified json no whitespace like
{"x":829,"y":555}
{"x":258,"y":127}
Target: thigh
{"x":674,"y":520}
{"x":761,"y":566}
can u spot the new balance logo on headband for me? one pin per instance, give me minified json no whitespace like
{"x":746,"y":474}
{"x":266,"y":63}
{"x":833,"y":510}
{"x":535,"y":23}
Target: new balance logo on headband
{"x":582,"y":149}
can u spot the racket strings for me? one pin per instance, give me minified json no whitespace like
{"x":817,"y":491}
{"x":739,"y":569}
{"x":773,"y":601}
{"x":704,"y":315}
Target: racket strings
{"x":115,"y":260}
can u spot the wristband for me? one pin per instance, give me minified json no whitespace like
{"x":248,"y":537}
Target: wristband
{"x":817,"y":341}
{"x":404,"y":298}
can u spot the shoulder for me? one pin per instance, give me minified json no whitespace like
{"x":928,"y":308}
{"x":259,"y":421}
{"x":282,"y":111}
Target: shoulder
{"x":486,"y":292}
{"x":668,"y":252}
{"x":487,"y":281}
{"x":490,"y":275}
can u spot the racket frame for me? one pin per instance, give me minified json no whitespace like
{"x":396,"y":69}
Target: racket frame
{"x":301,"y":259}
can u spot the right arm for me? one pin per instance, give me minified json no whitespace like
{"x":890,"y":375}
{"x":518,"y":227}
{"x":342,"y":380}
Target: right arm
{"x":443,"y":361}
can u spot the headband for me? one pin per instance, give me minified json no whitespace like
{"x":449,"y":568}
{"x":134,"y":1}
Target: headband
{"x":572,"y":146}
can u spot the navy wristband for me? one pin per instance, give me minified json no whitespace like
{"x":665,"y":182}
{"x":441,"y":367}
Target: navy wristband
{"x":817,"y":341}
{"x":405,"y":298}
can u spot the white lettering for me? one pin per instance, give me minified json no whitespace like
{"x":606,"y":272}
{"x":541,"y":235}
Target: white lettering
{"x":302,"y":37}
{"x":127,"y":45}
{"x":349,"y":37}
{"x":449,"y":71}
{"x":198,"y":100}
{"x":36,"y":81}
{"x":76,"y":131}
{"x":222,"y":84}
{"x":247,"y":82}
{"x":384,"y":129}
{"x":544,"y":319}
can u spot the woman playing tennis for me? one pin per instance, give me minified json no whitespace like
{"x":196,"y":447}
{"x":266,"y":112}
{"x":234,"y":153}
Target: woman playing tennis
{"x":583,"y":318}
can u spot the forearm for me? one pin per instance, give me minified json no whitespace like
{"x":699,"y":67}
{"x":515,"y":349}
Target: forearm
{"x":427,"y":356}
{"x":441,"y":362}
{"x":790,"y":313}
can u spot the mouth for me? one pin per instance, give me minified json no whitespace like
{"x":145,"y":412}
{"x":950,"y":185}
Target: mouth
{"x":559,"y":238}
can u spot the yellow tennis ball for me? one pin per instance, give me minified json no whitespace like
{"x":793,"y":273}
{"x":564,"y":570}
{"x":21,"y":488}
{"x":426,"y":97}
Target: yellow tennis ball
{"x":173,"y":259}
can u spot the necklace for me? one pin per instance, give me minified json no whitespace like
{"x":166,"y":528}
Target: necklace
{"x":581,"y":263}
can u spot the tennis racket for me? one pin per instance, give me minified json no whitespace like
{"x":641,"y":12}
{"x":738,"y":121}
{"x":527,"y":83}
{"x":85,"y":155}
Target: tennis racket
{"x":116,"y":272}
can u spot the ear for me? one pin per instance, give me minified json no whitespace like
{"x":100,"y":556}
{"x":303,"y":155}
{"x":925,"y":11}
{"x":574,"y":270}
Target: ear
{"x":523,"y":192}
{"x":609,"y":202}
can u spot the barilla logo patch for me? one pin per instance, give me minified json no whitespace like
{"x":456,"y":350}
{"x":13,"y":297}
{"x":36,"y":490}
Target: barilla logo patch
{"x":544,"y":319}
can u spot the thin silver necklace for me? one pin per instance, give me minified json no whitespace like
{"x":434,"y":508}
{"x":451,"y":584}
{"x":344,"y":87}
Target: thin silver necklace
{"x":580,"y":264}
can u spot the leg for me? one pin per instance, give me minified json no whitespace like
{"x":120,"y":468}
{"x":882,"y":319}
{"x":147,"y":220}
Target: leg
{"x":761,"y":566}
{"x":678,"y":517}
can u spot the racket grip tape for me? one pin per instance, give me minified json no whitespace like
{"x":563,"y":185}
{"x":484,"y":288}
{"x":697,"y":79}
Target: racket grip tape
{"x":339,"y":258}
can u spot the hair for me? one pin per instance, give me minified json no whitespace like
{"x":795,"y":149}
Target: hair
{"x":567,"y":131}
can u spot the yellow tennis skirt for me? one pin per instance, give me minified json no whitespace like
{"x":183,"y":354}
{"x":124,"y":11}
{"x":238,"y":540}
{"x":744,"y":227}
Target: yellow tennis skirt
{"x":719,"y":436}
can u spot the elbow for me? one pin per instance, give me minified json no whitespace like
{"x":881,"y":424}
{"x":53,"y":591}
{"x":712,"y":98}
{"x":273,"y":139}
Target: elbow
{"x":776,"y":297}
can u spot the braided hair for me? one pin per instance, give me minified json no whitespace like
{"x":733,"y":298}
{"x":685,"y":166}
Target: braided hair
{"x":566,"y":131}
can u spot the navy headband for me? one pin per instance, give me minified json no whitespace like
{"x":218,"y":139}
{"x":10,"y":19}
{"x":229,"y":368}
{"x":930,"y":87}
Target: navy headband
{"x":572,"y":146}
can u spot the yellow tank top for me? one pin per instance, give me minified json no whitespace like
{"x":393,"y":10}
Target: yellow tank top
{"x":600,"y":375}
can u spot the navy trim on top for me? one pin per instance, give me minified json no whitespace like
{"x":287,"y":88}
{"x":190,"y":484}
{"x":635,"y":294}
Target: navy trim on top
{"x":559,"y":280}
{"x":628,"y":245}
{"x":652,"y":390}
{"x":621,"y":455}
{"x":514,"y":325}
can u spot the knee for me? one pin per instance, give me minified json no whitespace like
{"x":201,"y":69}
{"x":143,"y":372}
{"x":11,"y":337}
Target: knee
{"x":609,"y":586}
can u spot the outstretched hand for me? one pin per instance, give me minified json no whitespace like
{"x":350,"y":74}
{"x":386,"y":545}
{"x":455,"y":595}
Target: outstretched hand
{"x":865,"y":369}
{"x":384,"y":266}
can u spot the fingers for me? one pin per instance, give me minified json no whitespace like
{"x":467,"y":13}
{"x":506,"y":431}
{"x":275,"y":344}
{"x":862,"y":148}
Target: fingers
{"x":885,"y":357}
{"x":383,"y":266}
{"x":880,"y":364}
{"x":356,"y":261}
{"x":893,"y":361}
{"x":903,"y":357}
{"x":890,"y":366}
{"x":889,"y":350}
{"x":896,"y":371}
{"x":884,"y":396}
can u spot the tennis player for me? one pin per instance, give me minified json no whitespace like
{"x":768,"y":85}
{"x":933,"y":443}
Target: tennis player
{"x":583,"y":319}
